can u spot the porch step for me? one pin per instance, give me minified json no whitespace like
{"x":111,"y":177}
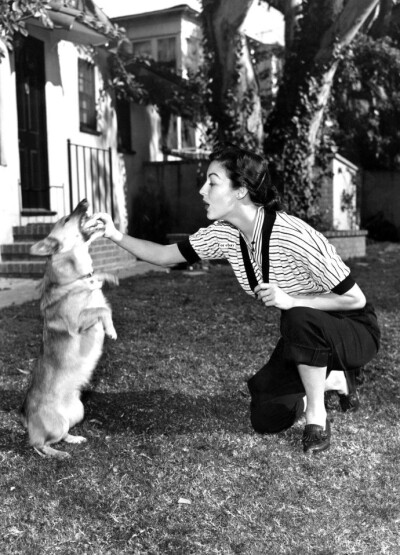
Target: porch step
{"x":108,"y":261}
{"x":35,"y":267}
{"x":31,"y":232}
{"x":16,"y":261}
{"x":23,"y":268}
{"x":17,"y":251}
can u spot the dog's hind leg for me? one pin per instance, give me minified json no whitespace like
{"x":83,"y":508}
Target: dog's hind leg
{"x":48,"y":452}
{"x":75,"y":412}
{"x":45,"y":428}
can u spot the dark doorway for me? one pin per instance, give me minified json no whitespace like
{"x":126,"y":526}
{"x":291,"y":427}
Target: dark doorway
{"x":32,"y":131}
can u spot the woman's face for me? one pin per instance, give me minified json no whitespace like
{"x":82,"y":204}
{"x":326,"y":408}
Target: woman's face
{"x":217,"y":192}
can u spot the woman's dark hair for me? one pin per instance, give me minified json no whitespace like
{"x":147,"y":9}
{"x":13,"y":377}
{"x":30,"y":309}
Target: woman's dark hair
{"x":250,"y":170}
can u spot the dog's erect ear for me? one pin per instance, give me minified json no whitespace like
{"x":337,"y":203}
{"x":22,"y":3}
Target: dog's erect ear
{"x":45,"y":247}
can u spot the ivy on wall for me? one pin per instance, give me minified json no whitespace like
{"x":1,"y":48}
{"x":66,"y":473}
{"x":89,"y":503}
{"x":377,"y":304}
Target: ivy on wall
{"x":13,"y":16}
{"x":15,"y":13}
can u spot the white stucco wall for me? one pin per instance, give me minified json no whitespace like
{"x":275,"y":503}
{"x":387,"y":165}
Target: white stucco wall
{"x":190,"y":46}
{"x":62,"y":114}
{"x":9,"y":165}
{"x":344,"y":183}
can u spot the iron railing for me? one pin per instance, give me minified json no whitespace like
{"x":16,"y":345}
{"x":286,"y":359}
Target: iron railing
{"x":90,"y":177}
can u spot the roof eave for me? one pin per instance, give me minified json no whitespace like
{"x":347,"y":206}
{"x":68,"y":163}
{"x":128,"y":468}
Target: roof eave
{"x":69,"y":24}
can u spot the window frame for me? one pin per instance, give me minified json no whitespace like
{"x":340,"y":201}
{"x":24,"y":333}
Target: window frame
{"x":88,"y":120}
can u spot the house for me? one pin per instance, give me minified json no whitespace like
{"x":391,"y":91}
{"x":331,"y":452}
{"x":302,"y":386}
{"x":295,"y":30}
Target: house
{"x":172,"y":37}
{"x":150,"y":141}
{"x":163,"y":159}
{"x":163,"y":187}
{"x":58,"y":132}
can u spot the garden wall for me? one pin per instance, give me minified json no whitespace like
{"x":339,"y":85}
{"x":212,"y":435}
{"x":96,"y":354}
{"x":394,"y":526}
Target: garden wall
{"x":169,"y":200}
{"x":169,"y":205}
{"x":380,"y":204}
{"x":348,"y":243}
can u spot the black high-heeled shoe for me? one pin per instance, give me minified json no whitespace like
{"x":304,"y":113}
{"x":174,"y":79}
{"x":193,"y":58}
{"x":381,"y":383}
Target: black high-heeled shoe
{"x":316,"y":439}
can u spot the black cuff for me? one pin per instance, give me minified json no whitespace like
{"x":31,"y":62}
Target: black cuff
{"x":344,"y":285}
{"x":187,"y":251}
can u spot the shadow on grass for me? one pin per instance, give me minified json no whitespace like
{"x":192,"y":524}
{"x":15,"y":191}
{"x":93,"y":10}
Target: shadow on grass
{"x":154,"y":412}
{"x":162,"y":412}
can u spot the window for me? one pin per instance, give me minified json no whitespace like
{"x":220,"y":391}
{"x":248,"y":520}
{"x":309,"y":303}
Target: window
{"x":181,"y":134}
{"x":166,"y":52}
{"x":123,"y":109}
{"x":188,"y":134}
{"x":173,"y":133}
{"x":142,"y":48}
{"x":87,"y":96}
{"x":193,"y":48}
{"x":161,"y":50}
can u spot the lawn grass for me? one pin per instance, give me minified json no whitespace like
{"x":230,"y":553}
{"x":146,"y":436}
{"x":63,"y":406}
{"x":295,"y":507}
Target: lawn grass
{"x":172,"y":465}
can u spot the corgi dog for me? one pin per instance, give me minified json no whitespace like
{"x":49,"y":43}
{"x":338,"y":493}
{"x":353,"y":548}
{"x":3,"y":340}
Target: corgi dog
{"x":76,"y":318}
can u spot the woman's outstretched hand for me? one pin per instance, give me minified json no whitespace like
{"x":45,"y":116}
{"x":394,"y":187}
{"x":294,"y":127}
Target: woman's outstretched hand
{"x":272,"y":295}
{"x":110,"y":231}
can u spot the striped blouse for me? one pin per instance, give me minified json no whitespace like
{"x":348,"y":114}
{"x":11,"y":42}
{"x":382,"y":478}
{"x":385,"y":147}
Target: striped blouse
{"x":284,"y":250}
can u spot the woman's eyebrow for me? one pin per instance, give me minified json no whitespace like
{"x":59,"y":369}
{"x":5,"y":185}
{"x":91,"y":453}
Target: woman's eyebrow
{"x":210,"y":174}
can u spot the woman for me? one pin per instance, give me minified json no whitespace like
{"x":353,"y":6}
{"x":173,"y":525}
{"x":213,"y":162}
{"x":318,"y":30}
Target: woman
{"x":328,"y":331}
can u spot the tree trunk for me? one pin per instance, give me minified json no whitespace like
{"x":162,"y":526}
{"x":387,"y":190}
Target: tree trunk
{"x":293,"y":127}
{"x":235,"y":105}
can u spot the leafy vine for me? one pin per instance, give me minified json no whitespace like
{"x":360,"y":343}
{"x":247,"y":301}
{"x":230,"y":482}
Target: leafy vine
{"x":15,"y":13}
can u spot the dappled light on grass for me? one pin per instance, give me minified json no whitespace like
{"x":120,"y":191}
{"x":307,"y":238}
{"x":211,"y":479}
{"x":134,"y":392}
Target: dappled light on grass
{"x":167,"y":418}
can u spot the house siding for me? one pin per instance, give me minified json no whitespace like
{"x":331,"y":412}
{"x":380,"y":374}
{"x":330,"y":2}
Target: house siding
{"x":9,"y":166}
{"x":62,"y":114}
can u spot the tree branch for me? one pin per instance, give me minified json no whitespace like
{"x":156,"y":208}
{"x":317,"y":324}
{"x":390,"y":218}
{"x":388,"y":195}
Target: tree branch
{"x":346,"y":26}
{"x":279,"y":5}
{"x":381,"y":24}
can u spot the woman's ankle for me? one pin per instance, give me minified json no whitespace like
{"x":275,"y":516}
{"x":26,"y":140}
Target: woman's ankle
{"x":316,"y":417}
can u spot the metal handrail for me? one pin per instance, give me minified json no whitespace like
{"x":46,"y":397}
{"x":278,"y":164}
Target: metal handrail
{"x":90,"y":176}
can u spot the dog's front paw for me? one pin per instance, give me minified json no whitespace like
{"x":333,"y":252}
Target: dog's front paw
{"x":111,"y":333}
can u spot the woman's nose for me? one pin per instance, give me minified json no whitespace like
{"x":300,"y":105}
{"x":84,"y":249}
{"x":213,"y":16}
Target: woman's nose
{"x":203,"y":190}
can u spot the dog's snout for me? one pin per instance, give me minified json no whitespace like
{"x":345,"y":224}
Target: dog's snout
{"x":81,"y":208}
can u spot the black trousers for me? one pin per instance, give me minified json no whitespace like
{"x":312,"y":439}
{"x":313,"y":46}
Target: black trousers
{"x":338,"y":340}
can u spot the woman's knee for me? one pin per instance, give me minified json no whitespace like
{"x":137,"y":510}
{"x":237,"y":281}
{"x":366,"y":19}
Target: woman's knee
{"x":271,"y":417}
{"x":302,"y":325}
{"x":296,"y":318}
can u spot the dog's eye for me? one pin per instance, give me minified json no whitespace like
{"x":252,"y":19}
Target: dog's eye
{"x":66,"y":220}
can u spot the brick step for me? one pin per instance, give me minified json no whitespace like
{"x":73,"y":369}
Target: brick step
{"x":112,"y":268}
{"x":23,"y":268}
{"x":101,"y":263}
{"x":31,"y":232}
{"x":36,"y":269}
{"x":16,"y":260}
{"x":99,"y":259}
{"x":20,"y":251}
{"x":17,"y":251}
